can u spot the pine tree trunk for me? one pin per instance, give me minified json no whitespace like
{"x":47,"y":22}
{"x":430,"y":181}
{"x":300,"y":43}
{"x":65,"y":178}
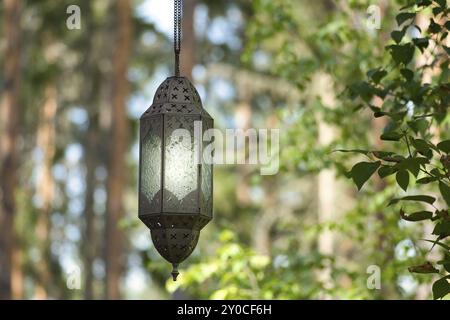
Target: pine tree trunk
{"x":91,"y":159}
{"x":187,"y":58}
{"x":89,"y":245}
{"x":118,"y":147}
{"x":46,"y":187}
{"x":9,"y":116}
{"x":327,"y":187}
{"x":326,"y":178}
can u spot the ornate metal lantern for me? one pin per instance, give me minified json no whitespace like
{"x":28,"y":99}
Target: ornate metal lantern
{"x":175,"y":183}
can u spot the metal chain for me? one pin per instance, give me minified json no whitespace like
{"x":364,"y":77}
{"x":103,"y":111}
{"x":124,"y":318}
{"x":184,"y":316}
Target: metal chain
{"x":177,"y":29}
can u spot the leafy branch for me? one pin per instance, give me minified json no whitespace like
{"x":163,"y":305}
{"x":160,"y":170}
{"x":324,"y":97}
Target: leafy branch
{"x":414,"y":109}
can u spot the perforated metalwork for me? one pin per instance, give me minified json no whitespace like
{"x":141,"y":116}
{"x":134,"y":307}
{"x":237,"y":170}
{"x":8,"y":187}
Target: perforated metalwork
{"x":175,"y":191}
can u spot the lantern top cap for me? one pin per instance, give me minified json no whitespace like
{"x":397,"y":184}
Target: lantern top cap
{"x":176,"y":95}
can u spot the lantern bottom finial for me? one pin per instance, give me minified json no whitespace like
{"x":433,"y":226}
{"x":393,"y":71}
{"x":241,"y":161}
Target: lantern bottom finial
{"x":175,"y":272}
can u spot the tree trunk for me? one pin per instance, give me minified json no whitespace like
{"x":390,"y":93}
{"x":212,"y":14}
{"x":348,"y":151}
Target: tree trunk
{"x":187,"y":58}
{"x":91,"y":158}
{"x":89,"y":250}
{"x":46,"y":187}
{"x":10,"y":274}
{"x":118,"y":147}
{"x":326,"y":187}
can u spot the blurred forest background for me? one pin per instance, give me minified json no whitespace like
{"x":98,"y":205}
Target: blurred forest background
{"x":70,"y":104}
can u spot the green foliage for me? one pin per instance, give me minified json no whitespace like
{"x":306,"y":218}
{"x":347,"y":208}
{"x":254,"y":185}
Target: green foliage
{"x":426,"y":199}
{"x":344,"y":51}
{"x":415,"y":106}
{"x":441,"y":287}
{"x":303,"y":42}
{"x":362,"y":171}
{"x":237,"y":272}
{"x":402,"y":178}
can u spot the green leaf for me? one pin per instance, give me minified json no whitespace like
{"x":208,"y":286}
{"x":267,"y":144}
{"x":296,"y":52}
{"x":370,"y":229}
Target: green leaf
{"x":376,"y":74}
{"x":424,"y":268}
{"x":418,"y":125}
{"x":426,"y":180}
{"x":402,"y":17}
{"x":362,"y":171}
{"x":361,"y":89}
{"x":420,"y":145}
{"x":419,"y":198}
{"x":437,"y":10}
{"x":435,"y":242}
{"x":397,"y":35}
{"x":444,"y":36}
{"x":391,"y":136}
{"x":447,"y":49}
{"x":441,"y":288}
{"x":422,"y":3}
{"x":419,"y":3}
{"x":364,"y":152}
{"x":434,"y":27}
{"x":416,"y":216}
{"x":421,"y":43}
{"x":436,"y":172}
{"x":445,"y":192}
{"x":446,"y":262}
{"x":447,"y":265}
{"x":407,"y":74}
{"x":442,"y":3}
{"x":388,"y":156}
{"x":444,"y":146}
{"x":402,"y":53}
{"x":380,"y":114}
{"x":413,"y":164}
{"x":402,"y":178}
{"x":442,"y":229}
{"x":385,"y":171}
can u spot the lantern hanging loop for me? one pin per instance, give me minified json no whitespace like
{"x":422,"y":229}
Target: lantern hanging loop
{"x":177,"y":33}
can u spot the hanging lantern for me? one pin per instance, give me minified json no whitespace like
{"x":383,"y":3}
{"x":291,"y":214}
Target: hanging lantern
{"x":175,"y":184}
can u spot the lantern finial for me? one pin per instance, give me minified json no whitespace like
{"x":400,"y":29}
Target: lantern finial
{"x":175,"y":272}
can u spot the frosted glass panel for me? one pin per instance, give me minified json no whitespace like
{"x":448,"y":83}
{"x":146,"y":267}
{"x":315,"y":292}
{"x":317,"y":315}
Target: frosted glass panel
{"x":150,"y":197}
{"x":181,"y":168}
{"x":207,"y":172}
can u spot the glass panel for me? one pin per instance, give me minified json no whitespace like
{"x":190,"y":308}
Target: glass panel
{"x":150,"y":179}
{"x":207,"y":174}
{"x":180,"y":165}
